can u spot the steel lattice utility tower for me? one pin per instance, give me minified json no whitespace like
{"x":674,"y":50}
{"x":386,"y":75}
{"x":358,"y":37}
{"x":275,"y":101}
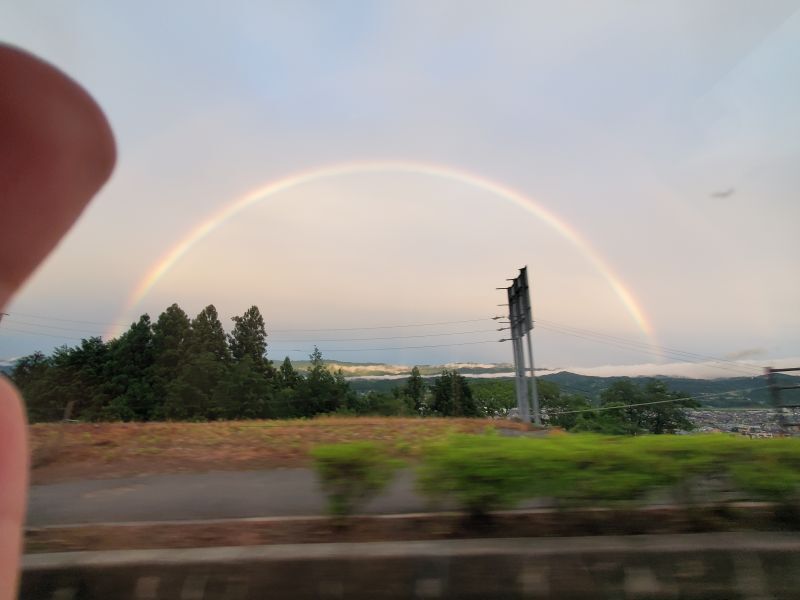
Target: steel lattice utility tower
{"x":520,"y":317}
{"x":777,"y":402}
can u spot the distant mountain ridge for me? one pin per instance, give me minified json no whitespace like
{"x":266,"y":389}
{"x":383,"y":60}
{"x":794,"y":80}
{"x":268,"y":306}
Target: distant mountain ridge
{"x":733,"y":392}
{"x":351,"y":370}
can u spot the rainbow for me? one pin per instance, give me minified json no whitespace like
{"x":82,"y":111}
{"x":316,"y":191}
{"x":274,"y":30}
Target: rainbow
{"x":234,"y":207}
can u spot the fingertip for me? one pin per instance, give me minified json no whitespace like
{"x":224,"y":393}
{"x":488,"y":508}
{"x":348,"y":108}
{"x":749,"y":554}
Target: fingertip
{"x":56,"y":151}
{"x":13,"y":485}
{"x":60,"y":123}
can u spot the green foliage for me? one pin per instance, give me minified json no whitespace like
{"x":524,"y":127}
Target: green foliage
{"x":287,"y":376}
{"x":629,"y":408}
{"x":209,"y":336}
{"x":181,"y":369}
{"x":558,"y":410}
{"x":352,"y":473}
{"x":452,"y":396}
{"x":415,"y":391}
{"x":249,"y":338}
{"x":494,"y":397}
{"x":772,"y":473}
{"x":322,"y":391}
{"x":485,"y":473}
{"x":244,"y":393}
{"x":33,"y":375}
{"x":379,"y":404}
{"x":481,"y":473}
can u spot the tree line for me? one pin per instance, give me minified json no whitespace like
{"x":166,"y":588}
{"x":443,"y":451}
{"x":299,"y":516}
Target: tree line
{"x":624,"y":408}
{"x":183,"y":369}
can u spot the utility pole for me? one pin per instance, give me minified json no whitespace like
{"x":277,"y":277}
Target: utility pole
{"x":537,"y":417}
{"x":775,"y":395}
{"x":521,"y":324}
{"x":519,"y":355}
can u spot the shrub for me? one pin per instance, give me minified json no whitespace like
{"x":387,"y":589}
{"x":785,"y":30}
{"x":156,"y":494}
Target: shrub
{"x":352,"y":473}
{"x":485,"y":473}
{"x":481,"y":472}
{"x":771,"y":471}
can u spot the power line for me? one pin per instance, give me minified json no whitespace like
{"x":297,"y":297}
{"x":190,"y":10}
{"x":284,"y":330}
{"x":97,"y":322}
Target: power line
{"x":372,"y":327}
{"x":638,"y":343}
{"x":583,"y":410}
{"x":394,"y":337}
{"x":39,"y":333}
{"x":274,"y":341}
{"x":382,"y":326}
{"x":30,"y":316}
{"x":28,"y":324}
{"x":394,"y":348}
{"x":646,"y":349}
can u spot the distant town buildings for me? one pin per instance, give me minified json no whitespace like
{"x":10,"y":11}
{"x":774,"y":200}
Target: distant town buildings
{"x":755,"y":422}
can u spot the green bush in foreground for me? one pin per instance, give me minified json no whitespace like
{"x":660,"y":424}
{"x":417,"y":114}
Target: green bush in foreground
{"x":485,"y":473}
{"x":352,"y":473}
{"x":481,"y":477}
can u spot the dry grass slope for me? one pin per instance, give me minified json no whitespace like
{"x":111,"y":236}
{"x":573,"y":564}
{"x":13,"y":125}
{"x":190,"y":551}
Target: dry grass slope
{"x":62,"y":452}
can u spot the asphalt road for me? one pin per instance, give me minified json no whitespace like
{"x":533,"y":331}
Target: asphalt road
{"x":188,"y":496}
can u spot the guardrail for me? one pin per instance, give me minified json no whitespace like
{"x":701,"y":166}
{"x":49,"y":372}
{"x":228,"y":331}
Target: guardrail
{"x":713,"y":565}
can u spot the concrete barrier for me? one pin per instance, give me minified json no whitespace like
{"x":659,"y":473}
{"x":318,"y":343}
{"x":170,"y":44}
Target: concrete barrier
{"x":716,"y":565}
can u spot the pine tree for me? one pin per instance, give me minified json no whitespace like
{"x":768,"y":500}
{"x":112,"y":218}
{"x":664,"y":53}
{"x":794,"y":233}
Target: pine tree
{"x":249,"y":338}
{"x":33,"y":375}
{"x":171,"y":342}
{"x":130,"y":385}
{"x":452,"y":396}
{"x":209,"y":336}
{"x":202,"y":368}
{"x":288,"y":377}
{"x":415,"y":391}
{"x":321,"y":390}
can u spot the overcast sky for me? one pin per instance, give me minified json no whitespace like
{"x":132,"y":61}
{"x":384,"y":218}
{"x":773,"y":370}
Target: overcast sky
{"x":664,"y":134}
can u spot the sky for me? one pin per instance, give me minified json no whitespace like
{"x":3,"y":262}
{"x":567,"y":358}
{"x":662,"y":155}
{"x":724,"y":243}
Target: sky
{"x":640,"y":158}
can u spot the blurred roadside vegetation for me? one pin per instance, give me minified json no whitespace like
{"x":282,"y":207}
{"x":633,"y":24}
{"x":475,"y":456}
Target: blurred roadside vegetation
{"x":485,"y":473}
{"x":352,"y":473}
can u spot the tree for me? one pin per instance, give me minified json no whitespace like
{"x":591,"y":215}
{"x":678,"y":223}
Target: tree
{"x":33,"y":376}
{"x":189,"y":396}
{"x":452,"y":396}
{"x":203,"y":365}
{"x":667,"y":413}
{"x":612,"y":420}
{"x":415,"y":391}
{"x":130,"y":360}
{"x":209,"y":336}
{"x":244,"y":393}
{"x":288,"y":377}
{"x":322,"y":391}
{"x":249,"y":338}
{"x":629,"y":409}
{"x":553,"y":402}
{"x":171,"y":333}
{"x":171,"y":342}
{"x":83,"y":377}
